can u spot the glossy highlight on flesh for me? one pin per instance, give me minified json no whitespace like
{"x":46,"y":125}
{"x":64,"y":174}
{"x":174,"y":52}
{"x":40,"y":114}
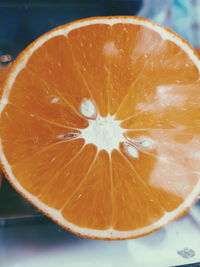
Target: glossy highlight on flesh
{"x":99,"y":126}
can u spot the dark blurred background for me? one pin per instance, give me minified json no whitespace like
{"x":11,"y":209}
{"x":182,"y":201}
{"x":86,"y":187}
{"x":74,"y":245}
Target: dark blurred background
{"x":22,"y":21}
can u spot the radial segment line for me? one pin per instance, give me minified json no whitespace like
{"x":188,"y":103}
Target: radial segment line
{"x":137,"y":113}
{"x":159,"y":129}
{"x":141,"y":112}
{"x":139,"y":75}
{"x":109,"y":84}
{"x":67,"y":102}
{"x":132,"y":85}
{"x":45,"y":120}
{"x":81,"y":182}
{"x":125,"y":96}
{"x":47,"y":147}
{"x":112,"y":190}
{"x":57,"y":92}
{"x":149,"y":129}
{"x":78,"y":70}
{"x":60,"y":171}
{"x":135,"y":171}
{"x":57,"y":124}
{"x":167,"y":162}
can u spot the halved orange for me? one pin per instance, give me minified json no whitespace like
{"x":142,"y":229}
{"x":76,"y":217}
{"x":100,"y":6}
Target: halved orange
{"x":3,"y":73}
{"x":100,"y":126}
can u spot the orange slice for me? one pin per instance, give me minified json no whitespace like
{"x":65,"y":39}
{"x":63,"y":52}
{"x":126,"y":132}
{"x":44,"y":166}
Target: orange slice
{"x":3,"y":73}
{"x":99,"y":126}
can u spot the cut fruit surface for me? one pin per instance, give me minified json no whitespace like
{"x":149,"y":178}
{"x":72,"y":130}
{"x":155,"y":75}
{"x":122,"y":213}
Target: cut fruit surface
{"x":100,"y":126}
{"x":3,"y":73}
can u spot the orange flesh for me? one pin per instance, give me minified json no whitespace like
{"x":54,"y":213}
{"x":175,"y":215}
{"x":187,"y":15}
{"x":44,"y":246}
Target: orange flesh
{"x":120,"y":68}
{"x":3,"y":73}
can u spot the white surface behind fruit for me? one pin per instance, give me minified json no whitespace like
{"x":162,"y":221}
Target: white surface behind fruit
{"x":38,"y":245}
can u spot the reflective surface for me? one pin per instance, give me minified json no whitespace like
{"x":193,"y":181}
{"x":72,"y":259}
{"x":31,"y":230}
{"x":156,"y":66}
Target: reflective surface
{"x":28,"y":238}
{"x":39,"y":244}
{"x":23,"y":21}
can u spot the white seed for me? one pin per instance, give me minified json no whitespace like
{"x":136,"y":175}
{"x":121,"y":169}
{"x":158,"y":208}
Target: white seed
{"x":68,"y":136}
{"x":132,"y":151}
{"x":88,"y":109}
{"x":147,"y":144}
{"x":55,"y":100}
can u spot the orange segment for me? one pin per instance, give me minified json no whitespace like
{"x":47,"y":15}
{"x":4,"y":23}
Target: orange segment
{"x":41,"y":179}
{"x":166,"y":170}
{"x":43,"y":102}
{"x":21,"y":130}
{"x":165,"y":107}
{"x":66,"y":181}
{"x":129,"y":47}
{"x":61,"y":76}
{"x":92,"y":190}
{"x":141,"y":210}
{"x":99,"y":126}
{"x":161,"y":81}
{"x":87,"y":46}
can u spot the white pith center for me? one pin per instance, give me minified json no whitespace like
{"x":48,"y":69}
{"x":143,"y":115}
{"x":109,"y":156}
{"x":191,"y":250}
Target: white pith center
{"x":106,"y":133}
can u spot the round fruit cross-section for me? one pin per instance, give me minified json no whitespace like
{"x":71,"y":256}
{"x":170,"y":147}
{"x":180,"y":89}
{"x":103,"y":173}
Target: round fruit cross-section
{"x":100,"y":126}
